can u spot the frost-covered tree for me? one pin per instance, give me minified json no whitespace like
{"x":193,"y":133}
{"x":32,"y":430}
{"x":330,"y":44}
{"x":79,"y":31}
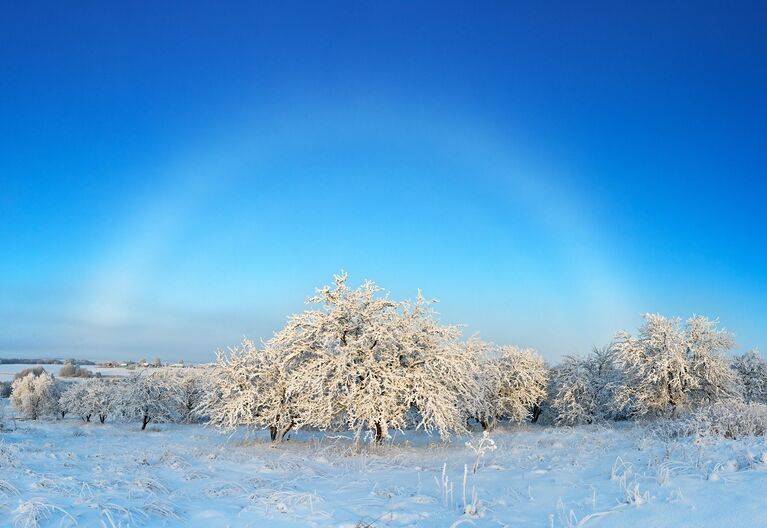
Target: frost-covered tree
{"x":149,"y":397}
{"x":102,"y":396}
{"x":605,"y":378}
{"x":250,"y":387}
{"x":488,"y":380}
{"x":35,"y":396}
{"x":513,"y":382}
{"x":58,"y":389}
{"x":437,"y":374}
{"x":751,"y":370}
{"x":583,"y":389}
{"x":707,"y":348}
{"x":94,"y":397}
{"x":190,"y":386}
{"x":72,"y":401}
{"x":574,"y":398}
{"x":364,"y":361}
{"x":670,"y":366}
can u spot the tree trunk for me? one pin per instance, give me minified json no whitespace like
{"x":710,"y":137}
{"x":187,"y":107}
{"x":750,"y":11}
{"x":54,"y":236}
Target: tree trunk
{"x":379,"y":433}
{"x":536,"y":413}
{"x":273,"y":432}
{"x":88,"y":418}
{"x":286,"y":430}
{"x":144,"y":421}
{"x":102,"y":417}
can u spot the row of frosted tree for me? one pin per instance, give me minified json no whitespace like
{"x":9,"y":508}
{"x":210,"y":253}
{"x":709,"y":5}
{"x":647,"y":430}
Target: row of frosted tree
{"x":363,"y":362}
{"x":167,"y":395}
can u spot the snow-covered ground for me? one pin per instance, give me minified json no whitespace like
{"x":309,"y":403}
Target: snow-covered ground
{"x":68,"y":473}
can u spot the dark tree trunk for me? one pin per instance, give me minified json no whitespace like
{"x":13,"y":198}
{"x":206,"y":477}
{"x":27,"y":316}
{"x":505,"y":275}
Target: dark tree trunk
{"x":102,"y":418}
{"x":287,"y":430}
{"x":379,"y":433}
{"x":273,"y":432}
{"x":144,"y":421}
{"x":88,"y":418}
{"x":536,"y":413}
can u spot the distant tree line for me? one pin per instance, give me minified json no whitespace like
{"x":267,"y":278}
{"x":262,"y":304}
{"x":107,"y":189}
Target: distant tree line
{"x":44,"y":361}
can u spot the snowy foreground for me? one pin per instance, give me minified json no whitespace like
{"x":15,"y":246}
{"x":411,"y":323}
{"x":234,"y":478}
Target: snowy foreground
{"x":69,"y":473}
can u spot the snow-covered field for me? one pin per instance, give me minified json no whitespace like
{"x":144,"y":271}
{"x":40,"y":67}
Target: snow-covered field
{"x":68,"y":473}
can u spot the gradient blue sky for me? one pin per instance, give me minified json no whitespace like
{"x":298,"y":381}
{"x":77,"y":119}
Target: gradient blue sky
{"x":174,"y":177}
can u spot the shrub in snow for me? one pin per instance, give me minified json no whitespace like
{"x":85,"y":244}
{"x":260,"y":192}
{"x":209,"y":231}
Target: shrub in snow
{"x":513,"y":383}
{"x":35,"y":396}
{"x":669,"y":366}
{"x":751,"y":371}
{"x":728,"y":419}
{"x":148,"y":397}
{"x":35,"y":371}
{"x":5,"y":389}
{"x":70,"y":370}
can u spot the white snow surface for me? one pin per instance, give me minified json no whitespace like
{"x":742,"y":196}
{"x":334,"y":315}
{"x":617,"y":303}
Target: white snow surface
{"x":69,"y":473}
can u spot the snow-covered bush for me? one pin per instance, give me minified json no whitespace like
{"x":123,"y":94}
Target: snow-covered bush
{"x":94,"y":397}
{"x":35,"y":396}
{"x":35,"y":371}
{"x":513,"y":382}
{"x":728,"y":419}
{"x":669,"y":367}
{"x":70,"y":370}
{"x":362,"y":361}
{"x":148,"y":397}
{"x":751,"y":370}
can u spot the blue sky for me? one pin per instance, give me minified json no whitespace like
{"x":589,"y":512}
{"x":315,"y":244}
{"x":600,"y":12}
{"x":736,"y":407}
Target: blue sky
{"x":174,"y":177}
